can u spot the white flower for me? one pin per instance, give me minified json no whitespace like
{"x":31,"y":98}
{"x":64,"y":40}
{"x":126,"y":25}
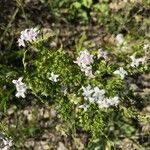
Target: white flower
{"x":119,"y":39}
{"x":7,"y":144}
{"x":114,"y":101}
{"x":20,"y":87}
{"x":28,"y":35}
{"x":44,"y":94}
{"x":87,"y":93}
{"x":103,"y":103}
{"x":136,"y":61}
{"x":121,"y":72}
{"x":54,"y":77}
{"x":107,"y":102}
{"x":98,"y":94}
{"x":21,"y":42}
{"x":93,"y":95}
{"x":102,"y":53}
{"x":146,"y":46}
{"x":84,"y":106}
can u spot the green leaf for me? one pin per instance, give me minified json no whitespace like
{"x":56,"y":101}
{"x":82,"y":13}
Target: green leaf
{"x":79,"y":44}
{"x":87,"y":3}
{"x":76,"y":5}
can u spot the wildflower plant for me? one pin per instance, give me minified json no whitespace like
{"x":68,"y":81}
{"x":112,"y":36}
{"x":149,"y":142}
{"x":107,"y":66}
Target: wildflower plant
{"x":86,"y":86}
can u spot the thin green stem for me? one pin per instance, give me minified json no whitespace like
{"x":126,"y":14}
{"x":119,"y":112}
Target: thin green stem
{"x":23,"y":60}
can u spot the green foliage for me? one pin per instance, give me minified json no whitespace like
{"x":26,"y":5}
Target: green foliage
{"x":98,"y":122}
{"x":114,"y":17}
{"x":39,"y":62}
{"x":20,"y":131}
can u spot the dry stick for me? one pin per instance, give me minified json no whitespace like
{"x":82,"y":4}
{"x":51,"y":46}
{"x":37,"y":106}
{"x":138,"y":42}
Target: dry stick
{"x":9,"y":24}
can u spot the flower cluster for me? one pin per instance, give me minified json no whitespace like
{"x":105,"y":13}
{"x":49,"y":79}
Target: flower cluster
{"x":136,"y":61}
{"x":7,"y":143}
{"x":95,"y":95}
{"x":21,"y":87}
{"x":28,"y":35}
{"x":84,"y":61}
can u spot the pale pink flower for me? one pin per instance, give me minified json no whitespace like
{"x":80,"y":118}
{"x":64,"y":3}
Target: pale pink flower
{"x":84,"y":61}
{"x":88,"y":71}
{"x":28,"y":35}
{"x":102,"y":54}
{"x":85,"y":58}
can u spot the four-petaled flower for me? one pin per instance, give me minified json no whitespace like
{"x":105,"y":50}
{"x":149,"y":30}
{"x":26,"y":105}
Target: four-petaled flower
{"x":21,"y":87}
{"x":121,"y":72}
{"x":54,"y":77}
